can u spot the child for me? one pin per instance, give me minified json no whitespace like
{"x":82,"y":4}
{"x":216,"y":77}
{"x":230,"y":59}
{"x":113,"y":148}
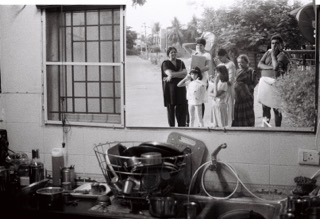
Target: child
{"x":246,"y":80}
{"x":220,"y":92}
{"x":195,"y":94}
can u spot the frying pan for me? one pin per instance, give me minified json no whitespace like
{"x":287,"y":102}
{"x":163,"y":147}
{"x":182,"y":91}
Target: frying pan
{"x":166,"y":150}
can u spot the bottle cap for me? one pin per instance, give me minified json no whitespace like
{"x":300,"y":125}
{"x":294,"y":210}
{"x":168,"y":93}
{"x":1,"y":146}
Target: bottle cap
{"x":35,"y":153}
{"x":57,"y":152}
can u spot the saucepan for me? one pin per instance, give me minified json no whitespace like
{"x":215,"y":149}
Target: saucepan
{"x":50,"y":198}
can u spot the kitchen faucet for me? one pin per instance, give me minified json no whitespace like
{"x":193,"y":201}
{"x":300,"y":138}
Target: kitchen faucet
{"x":214,"y":156}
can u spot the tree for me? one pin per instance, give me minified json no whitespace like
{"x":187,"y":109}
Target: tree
{"x":192,"y":30}
{"x":175,"y":34}
{"x":155,"y":32}
{"x":250,"y":24}
{"x":138,"y":2}
{"x":131,"y":38}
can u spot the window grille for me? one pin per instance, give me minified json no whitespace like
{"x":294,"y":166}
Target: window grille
{"x":84,"y":64}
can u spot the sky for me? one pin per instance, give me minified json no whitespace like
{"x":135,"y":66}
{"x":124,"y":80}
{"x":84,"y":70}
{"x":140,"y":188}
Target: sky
{"x":142,"y":18}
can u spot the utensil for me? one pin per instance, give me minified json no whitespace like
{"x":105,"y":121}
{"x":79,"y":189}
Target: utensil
{"x":198,"y":150}
{"x":32,"y":188}
{"x":50,"y":198}
{"x":112,"y":160}
{"x":4,"y":179}
{"x":163,"y":206}
{"x":151,"y":158}
{"x":163,"y":148}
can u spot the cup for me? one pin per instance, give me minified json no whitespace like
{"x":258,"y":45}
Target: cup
{"x":67,"y":186}
{"x":128,"y":186}
{"x":191,"y":209}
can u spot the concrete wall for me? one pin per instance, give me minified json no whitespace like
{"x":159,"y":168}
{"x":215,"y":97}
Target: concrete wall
{"x":262,"y":158}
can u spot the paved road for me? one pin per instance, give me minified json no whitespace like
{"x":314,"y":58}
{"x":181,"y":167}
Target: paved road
{"x":144,"y":100}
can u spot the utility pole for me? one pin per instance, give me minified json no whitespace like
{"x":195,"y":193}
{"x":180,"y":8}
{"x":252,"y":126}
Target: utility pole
{"x":145,"y":36}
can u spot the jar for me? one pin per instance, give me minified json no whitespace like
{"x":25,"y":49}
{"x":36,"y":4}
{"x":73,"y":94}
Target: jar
{"x":68,"y":175}
{"x":23,"y":173}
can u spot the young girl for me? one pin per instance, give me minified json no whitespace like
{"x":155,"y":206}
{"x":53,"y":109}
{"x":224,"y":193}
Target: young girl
{"x":220,"y":92}
{"x":195,"y":94}
{"x":246,"y":80}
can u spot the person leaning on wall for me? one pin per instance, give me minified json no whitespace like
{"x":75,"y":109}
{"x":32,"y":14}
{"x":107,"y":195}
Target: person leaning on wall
{"x":173,"y":70}
{"x":274,"y":63}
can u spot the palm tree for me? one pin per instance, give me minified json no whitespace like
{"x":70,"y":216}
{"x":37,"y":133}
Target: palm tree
{"x":175,"y":32}
{"x":155,"y":31}
{"x":192,"y":31}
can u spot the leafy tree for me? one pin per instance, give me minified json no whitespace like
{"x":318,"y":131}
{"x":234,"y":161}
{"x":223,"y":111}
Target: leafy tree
{"x":131,"y":38}
{"x":250,"y":24}
{"x":138,"y":2}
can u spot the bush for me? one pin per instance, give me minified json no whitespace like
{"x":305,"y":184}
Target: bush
{"x":155,"y":49}
{"x":131,"y":52}
{"x":298,"y":89}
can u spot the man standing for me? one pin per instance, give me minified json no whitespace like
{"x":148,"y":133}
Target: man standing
{"x":274,"y":63}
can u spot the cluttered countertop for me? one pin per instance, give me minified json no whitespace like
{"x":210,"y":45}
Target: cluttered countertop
{"x":143,"y":180}
{"x":140,"y":177}
{"x":80,"y":203}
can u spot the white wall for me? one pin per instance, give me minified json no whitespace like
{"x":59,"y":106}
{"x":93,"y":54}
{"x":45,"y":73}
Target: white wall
{"x":266,"y":158}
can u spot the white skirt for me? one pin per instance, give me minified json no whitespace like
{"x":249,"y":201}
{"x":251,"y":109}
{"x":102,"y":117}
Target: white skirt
{"x":268,"y":94}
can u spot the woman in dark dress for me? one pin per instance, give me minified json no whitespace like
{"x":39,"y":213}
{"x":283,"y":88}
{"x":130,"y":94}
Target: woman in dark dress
{"x":175,"y":98}
{"x":245,"y":82}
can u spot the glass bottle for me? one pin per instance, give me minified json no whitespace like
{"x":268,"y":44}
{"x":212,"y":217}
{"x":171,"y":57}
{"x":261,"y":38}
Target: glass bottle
{"x":36,"y":170}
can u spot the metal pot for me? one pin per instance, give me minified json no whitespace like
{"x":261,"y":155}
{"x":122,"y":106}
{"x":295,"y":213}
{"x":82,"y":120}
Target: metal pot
{"x":50,"y":198}
{"x":152,"y":158}
{"x":163,"y":206}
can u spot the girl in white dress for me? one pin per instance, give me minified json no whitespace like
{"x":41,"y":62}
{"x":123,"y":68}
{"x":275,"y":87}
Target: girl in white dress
{"x":220,"y":94}
{"x":222,"y":58}
{"x":196,"y":90}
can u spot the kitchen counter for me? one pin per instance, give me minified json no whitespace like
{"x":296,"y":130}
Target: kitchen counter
{"x":80,"y":208}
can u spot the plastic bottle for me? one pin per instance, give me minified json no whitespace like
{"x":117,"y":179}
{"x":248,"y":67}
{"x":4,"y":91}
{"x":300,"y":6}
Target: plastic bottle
{"x":57,"y":165}
{"x":36,"y":170}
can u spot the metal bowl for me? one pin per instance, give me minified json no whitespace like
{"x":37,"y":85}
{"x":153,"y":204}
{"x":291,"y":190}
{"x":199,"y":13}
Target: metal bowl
{"x":50,"y":198}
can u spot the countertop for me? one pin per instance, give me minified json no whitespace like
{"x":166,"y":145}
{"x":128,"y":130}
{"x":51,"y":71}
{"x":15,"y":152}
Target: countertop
{"x":80,"y":208}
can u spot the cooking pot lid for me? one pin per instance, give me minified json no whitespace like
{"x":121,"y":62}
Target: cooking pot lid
{"x":50,"y":191}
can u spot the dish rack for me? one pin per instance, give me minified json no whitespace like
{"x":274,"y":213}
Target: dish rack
{"x":136,"y":170}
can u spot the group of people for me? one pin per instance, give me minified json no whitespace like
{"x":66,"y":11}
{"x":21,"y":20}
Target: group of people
{"x":231,"y":89}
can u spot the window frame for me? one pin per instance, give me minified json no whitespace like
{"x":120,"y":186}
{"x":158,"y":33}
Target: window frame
{"x":120,"y":64}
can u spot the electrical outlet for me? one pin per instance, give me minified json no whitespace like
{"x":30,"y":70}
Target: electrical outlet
{"x":308,"y":157}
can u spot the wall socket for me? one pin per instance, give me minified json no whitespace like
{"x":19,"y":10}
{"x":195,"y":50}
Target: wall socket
{"x":308,"y":157}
